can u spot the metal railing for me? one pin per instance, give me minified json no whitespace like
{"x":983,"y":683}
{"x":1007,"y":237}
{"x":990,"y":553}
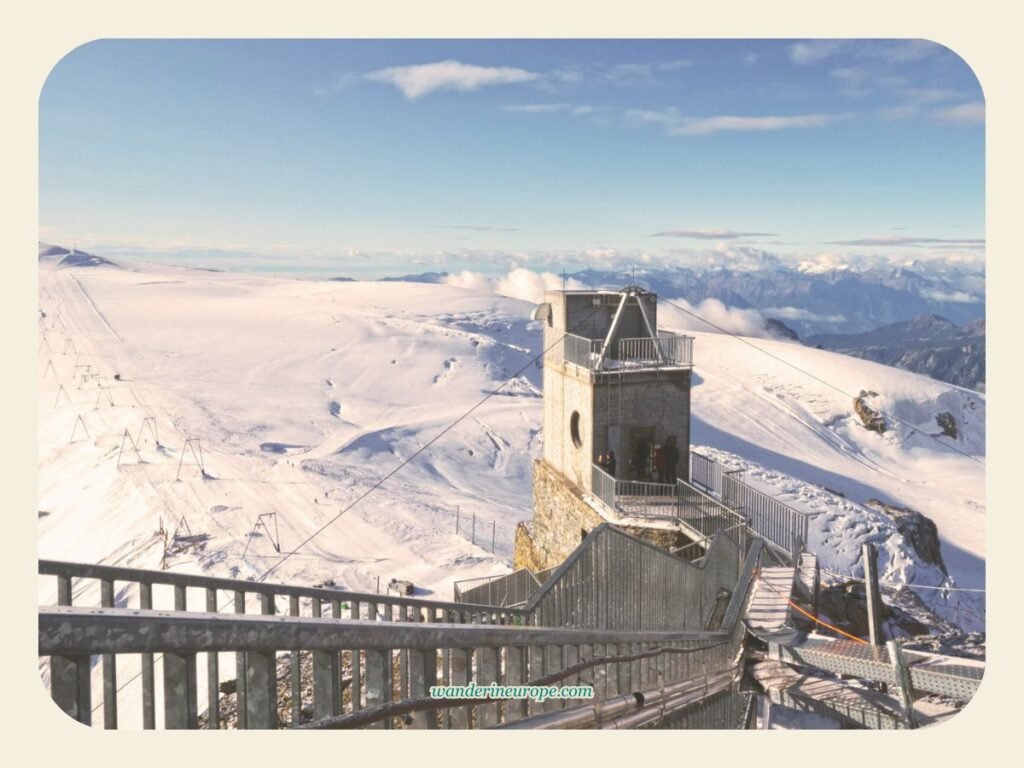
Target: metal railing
{"x":76,"y":582}
{"x":705,"y":472}
{"x":507,"y":590}
{"x":399,"y":663}
{"x":778,"y":523}
{"x":590,"y":625}
{"x":703,"y":513}
{"x":675,"y":351}
{"x":634,"y":498}
{"x":617,"y":581}
{"x":582,"y":352}
{"x":681,"y":503}
{"x":602,"y":485}
{"x":768,"y":517}
{"x":632,"y":353}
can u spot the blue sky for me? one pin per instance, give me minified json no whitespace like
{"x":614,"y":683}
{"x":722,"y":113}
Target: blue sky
{"x":370,"y":157}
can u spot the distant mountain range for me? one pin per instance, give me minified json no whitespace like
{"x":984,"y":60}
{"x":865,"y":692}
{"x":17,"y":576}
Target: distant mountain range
{"x":928,"y":344}
{"x":909,"y":317}
{"x":423,"y":277}
{"x":815,"y":300}
{"x":72,"y":258}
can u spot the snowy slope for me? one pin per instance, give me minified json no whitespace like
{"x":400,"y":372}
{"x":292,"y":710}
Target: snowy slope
{"x":305,"y":395}
{"x":302,"y":395}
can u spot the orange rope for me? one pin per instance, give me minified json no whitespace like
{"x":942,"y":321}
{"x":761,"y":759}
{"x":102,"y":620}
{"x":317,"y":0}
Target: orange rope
{"x":809,"y":615}
{"x":826,"y":624}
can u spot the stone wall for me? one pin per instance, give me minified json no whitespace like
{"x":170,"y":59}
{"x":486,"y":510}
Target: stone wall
{"x":561,"y":518}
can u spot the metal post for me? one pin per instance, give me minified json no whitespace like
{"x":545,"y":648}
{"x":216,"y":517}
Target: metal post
{"x":906,"y":691}
{"x":212,"y":672}
{"x":456,"y":518}
{"x":493,"y":529}
{"x":473,"y":537}
{"x":109,"y":665}
{"x":148,"y":688}
{"x":874,"y":597}
{"x":241,"y":696}
{"x":70,"y":686}
{"x":296,"y":669}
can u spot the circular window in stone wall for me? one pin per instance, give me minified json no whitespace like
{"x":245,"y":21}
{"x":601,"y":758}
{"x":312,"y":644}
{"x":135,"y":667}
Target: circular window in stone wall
{"x":574,"y":429}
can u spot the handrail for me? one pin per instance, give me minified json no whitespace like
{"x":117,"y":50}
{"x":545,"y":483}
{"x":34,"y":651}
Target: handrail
{"x":270,"y":589}
{"x":393,"y":661}
{"x":68,"y":631}
{"x":518,"y":586}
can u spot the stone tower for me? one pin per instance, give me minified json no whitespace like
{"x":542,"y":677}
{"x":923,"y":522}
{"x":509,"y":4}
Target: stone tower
{"x":612,"y":383}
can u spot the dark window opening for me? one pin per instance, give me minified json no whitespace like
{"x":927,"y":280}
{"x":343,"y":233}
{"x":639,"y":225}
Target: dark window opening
{"x":574,"y":429}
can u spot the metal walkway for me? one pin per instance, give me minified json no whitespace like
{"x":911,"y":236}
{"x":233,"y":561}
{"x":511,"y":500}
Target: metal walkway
{"x":930,"y":673}
{"x":769,"y":603}
{"x":620,"y":617}
{"x":828,"y":697}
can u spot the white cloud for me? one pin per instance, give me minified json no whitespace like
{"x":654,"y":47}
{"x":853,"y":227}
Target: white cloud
{"x":898,"y":51}
{"x":972,"y":112}
{"x":721,"y":256}
{"x":519,"y":283}
{"x":795,"y":313}
{"x":957,"y":297}
{"x":421,"y":79}
{"x":910,"y":241}
{"x":812,"y":51}
{"x":677,"y":124}
{"x":887,"y":51}
{"x":735,"y":123}
{"x":645,"y":74}
{"x":530,"y":286}
{"x":572,"y":109}
{"x":925,"y":260}
{"x":712,"y":316}
{"x":472,"y":281}
{"x":710,"y":234}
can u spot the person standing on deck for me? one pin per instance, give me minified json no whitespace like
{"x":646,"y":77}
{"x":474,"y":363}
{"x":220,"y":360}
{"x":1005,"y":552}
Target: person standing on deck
{"x":670,"y":454}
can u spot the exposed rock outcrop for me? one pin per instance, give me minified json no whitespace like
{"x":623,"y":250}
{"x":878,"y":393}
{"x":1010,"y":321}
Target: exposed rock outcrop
{"x":947,"y":424}
{"x":869,"y":417}
{"x":919,"y":530}
{"x":904,"y":614}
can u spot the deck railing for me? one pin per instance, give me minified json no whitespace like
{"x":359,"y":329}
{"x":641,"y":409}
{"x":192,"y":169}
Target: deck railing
{"x":630,"y":354}
{"x":681,"y":503}
{"x":676,"y":351}
{"x":581,"y":351}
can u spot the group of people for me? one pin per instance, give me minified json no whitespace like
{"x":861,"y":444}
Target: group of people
{"x":666,"y":457}
{"x":607,"y":462}
{"x":659,"y":462}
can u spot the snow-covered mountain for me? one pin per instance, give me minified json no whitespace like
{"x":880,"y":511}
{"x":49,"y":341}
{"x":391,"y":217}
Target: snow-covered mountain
{"x":928,"y":344}
{"x":817,"y":300}
{"x":247,"y":396}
